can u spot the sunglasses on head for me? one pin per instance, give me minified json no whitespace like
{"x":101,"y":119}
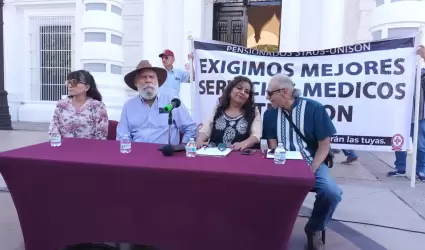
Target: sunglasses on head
{"x":220,"y":146}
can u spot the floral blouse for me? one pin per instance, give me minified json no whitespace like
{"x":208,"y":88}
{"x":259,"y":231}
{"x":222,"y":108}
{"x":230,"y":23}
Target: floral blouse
{"x":90,"y":121}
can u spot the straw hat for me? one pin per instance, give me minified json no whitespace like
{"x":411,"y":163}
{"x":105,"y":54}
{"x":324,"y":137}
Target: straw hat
{"x":144,"y":64}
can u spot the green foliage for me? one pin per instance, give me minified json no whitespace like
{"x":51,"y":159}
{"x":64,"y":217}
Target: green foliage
{"x":267,"y":47}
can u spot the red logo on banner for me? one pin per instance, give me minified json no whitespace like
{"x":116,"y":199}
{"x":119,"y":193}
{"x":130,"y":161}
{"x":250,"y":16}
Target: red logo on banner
{"x":397,"y":142}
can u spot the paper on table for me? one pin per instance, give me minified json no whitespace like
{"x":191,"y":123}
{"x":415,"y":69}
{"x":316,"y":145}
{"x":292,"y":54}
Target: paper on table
{"x":290,"y":155}
{"x":213,"y":152}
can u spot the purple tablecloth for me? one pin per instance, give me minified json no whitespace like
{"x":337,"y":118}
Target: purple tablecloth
{"x":87,"y":191}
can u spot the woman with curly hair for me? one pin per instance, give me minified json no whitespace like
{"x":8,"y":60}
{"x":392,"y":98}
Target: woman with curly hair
{"x":235,"y":122}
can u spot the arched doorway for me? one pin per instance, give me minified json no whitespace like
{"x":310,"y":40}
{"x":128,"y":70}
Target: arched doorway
{"x":244,"y":22}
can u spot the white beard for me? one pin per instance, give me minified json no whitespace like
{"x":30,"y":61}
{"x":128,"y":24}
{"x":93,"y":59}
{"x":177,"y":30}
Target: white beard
{"x":148,"y":94}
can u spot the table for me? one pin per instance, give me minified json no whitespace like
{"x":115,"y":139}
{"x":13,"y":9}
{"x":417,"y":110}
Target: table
{"x":87,"y":191}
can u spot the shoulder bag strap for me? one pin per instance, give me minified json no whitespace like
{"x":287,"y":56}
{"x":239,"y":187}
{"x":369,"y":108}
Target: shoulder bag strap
{"x":279,"y":126}
{"x":296,"y":129}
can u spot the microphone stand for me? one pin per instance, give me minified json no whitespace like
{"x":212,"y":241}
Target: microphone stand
{"x":168,"y":150}
{"x":170,"y":123}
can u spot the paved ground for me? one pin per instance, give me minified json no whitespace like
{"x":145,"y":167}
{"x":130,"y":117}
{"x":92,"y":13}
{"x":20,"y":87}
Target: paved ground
{"x":376,"y":212}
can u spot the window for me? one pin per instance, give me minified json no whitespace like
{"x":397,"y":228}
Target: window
{"x":402,"y":32}
{"x":403,"y":0}
{"x":377,"y":35}
{"x":379,"y":2}
{"x":51,"y":56}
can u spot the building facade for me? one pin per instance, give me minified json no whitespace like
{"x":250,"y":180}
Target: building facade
{"x":44,"y":40}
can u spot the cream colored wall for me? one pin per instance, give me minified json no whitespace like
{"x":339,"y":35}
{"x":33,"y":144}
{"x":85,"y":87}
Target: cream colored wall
{"x":365,"y":9}
{"x":269,"y":32}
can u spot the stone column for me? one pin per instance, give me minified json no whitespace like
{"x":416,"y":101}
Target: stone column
{"x":310,"y":33}
{"x":192,"y":21}
{"x":333,"y":23}
{"x":5,"y":119}
{"x":290,"y":25}
{"x":208,"y":20}
{"x":173,"y":38}
{"x":153,"y":31}
{"x":192,"y":25}
{"x":102,"y":51}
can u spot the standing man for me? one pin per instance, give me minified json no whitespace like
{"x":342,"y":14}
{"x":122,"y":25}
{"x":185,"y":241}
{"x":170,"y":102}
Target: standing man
{"x":174,"y":76}
{"x":312,"y":120}
{"x":351,"y":156}
{"x":400,"y":156}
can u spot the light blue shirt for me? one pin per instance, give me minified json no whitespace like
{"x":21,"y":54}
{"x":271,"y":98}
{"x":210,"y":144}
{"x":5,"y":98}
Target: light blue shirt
{"x":144,"y":123}
{"x":174,"y":78}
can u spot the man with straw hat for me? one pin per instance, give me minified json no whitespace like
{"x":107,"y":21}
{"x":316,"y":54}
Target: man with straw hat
{"x":143,"y":117}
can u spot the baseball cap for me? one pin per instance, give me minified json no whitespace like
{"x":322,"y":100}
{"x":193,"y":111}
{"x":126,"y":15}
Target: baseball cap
{"x":166,"y":52}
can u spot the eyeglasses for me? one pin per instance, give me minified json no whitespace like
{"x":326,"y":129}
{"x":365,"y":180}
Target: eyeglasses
{"x":270,"y":93}
{"x":220,"y":146}
{"x":164,"y":57}
{"x":73,"y":82}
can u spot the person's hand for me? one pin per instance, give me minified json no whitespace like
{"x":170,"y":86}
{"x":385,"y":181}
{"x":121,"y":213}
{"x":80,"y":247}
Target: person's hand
{"x":421,"y":51}
{"x":200,"y":144}
{"x":239,"y":146}
{"x":190,"y":56}
{"x":314,"y":168}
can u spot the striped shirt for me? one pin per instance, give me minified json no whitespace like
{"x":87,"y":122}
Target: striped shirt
{"x":309,"y":116}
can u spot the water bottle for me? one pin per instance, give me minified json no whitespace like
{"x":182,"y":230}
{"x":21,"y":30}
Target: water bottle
{"x":125,"y":144}
{"x":55,"y":138}
{"x":191,"y":148}
{"x":280,"y":154}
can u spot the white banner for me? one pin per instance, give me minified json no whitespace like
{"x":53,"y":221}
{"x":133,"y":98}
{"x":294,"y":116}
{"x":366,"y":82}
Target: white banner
{"x":366,"y":88}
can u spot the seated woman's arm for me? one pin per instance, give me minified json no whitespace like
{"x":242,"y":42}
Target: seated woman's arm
{"x":54,"y":124}
{"x":123,"y":127}
{"x":101,"y":119}
{"x":205,"y":131}
{"x":255,"y":135}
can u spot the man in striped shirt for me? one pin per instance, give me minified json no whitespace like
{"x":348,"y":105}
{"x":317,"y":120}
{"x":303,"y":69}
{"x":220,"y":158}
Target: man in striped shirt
{"x":400,"y":156}
{"x":313,"y":141}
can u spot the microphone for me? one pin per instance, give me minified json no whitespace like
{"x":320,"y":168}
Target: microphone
{"x":169,"y":150}
{"x":175,"y":103}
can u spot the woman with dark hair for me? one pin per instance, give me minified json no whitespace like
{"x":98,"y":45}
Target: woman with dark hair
{"x":235,"y":122}
{"x":82,"y":114}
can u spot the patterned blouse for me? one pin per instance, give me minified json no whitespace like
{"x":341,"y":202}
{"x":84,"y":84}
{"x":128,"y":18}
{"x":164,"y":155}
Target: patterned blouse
{"x":90,"y":121}
{"x":229,"y":130}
